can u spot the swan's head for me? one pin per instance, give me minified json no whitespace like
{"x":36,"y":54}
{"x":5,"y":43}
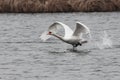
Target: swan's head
{"x":49,"y":33}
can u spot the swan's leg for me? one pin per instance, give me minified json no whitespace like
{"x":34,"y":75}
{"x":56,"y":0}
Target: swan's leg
{"x":74,"y":47}
{"x":84,"y":42}
{"x":80,"y":43}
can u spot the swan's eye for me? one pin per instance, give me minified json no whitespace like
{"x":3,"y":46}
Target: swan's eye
{"x":49,"y":33}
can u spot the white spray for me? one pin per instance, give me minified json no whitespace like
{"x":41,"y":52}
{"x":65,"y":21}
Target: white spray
{"x":44,"y":36}
{"x":104,"y":42}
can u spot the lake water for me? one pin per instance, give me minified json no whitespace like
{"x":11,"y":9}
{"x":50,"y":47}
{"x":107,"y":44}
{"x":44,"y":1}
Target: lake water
{"x":23,"y":56}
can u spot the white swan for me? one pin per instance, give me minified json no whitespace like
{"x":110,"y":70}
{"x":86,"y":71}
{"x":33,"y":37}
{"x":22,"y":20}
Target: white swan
{"x":74,"y":38}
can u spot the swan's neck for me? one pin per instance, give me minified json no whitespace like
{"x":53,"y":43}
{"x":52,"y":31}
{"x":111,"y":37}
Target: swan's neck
{"x":59,"y":37}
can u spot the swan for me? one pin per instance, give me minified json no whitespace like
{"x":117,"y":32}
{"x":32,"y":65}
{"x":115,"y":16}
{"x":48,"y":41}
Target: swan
{"x":75,"y":38}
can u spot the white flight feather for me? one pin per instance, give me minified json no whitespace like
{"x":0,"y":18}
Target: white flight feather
{"x":69,"y":34}
{"x":57,"y":25}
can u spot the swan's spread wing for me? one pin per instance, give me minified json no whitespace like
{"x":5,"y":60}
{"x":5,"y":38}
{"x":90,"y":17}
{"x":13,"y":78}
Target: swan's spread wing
{"x":57,"y":25}
{"x":80,"y":28}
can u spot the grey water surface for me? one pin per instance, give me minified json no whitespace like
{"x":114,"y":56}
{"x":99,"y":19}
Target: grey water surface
{"x":23,"y":56}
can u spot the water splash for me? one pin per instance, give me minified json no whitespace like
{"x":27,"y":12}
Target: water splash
{"x":105,"y":41}
{"x":90,"y":36}
{"x":44,"y":36}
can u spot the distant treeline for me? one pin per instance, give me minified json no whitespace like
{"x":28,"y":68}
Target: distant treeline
{"x":59,"y":5}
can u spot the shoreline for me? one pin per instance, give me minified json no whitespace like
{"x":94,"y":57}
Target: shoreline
{"x":57,"y":6}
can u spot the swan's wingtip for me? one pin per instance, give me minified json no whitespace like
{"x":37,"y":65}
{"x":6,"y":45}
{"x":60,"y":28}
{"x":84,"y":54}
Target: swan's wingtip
{"x":79,"y":22}
{"x":58,"y":22}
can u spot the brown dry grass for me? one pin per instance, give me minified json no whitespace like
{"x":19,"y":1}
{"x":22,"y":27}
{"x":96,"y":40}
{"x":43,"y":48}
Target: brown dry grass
{"x":58,"y":5}
{"x":77,"y":5}
{"x":117,"y":4}
{"x":94,"y":5}
{"x":21,"y":6}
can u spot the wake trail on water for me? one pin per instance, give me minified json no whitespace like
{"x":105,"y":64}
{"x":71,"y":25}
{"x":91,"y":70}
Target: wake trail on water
{"x":104,"y":41}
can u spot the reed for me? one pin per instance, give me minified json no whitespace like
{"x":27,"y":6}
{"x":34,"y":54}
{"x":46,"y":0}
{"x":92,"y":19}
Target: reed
{"x":78,"y":5}
{"x":93,"y":5}
{"x":110,"y":6}
{"x":117,"y":4}
{"x":21,"y":6}
{"x":28,"y":6}
{"x":59,"y":5}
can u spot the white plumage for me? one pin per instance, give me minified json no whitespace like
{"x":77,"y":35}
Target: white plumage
{"x":74,"y":38}
{"x":57,"y":25}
